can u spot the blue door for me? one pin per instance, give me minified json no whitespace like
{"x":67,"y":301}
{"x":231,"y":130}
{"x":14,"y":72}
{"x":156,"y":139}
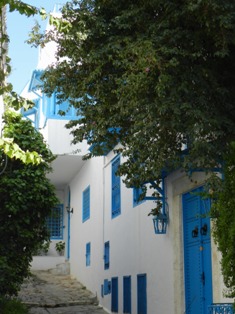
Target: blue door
{"x":197,"y":253}
{"x":114,"y":295}
{"x":68,"y":235}
{"x":141,"y":294}
{"x":127,"y":294}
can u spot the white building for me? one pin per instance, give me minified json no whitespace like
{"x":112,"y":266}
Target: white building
{"x":111,"y":245}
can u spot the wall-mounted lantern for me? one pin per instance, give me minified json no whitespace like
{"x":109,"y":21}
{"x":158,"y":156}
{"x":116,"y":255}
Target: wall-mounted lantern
{"x":160,"y":217}
{"x":160,"y":223}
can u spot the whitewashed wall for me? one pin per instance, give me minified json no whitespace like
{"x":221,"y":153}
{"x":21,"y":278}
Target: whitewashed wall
{"x":134,"y":248}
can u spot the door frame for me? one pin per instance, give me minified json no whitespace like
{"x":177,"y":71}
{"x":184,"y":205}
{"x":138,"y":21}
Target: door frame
{"x":68,"y":233}
{"x":205,"y":265}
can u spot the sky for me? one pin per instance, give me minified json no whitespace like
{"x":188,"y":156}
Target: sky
{"x":24,"y":58}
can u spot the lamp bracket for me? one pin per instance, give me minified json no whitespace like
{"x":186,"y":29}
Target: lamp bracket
{"x":69,"y":210}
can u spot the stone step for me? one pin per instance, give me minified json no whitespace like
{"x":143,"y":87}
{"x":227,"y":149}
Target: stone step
{"x":49,"y":290}
{"x":61,"y":269}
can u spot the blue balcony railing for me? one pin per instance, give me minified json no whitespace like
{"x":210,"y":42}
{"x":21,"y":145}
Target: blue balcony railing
{"x":221,"y":308}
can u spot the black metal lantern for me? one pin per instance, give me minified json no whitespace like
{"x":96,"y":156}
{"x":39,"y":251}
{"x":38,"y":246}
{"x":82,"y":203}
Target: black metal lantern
{"x":160,"y":223}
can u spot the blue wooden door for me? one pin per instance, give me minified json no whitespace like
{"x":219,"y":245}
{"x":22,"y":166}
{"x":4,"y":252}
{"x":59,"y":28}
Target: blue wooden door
{"x":114,"y":295}
{"x":141,"y":294}
{"x":127,"y":294}
{"x":197,"y":253}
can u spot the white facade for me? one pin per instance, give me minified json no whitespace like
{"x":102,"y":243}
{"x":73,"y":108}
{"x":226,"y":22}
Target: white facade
{"x":135,"y":251}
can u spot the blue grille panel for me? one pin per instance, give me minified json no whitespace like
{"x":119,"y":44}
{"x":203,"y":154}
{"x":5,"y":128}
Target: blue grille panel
{"x":55,"y":222}
{"x":221,"y":308}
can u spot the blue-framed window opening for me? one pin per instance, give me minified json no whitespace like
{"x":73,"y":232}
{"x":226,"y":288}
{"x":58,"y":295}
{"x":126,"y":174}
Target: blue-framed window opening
{"x":137,"y":193}
{"x":88,"y":254}
{"x":106,"y":255}
{"x":55,"y":222}
{"x":33,"y":114}
{"x":116,"y":188}
{"x":54,"y":110}
{"x":86,"y":204}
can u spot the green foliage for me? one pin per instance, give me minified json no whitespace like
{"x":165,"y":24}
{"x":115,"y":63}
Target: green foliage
{"x":60,"y":246}
{"x":26,"y":198}
{"x":223,"y":212}
{"x":156,"y":76}
{"x":12,"y":306}
{"x":151,"y":75}
{"x":26,"y":195}
{"x":11,"y":99}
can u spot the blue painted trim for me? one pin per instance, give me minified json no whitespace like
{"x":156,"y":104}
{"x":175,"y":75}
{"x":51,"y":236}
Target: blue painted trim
{"x":35,"y":80}
{"x":86,"y":210}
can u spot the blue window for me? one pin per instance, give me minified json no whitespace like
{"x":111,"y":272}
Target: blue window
{"x":86,"y":204}
{"x":106,"y":255}
{"x":53,"y":110}
{"x":136,"y":196}
{"x":88,"y":254}
{"x":55,"y":222}
{"x":116,"y":191}
{"x":33,"y":114}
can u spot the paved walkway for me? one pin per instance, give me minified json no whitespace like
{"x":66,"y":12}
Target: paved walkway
{"x":47,"y":293}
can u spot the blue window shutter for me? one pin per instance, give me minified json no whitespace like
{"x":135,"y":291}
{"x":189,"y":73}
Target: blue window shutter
{"x":52,"y":108}
{"x":142,"y":294}
{"x":116,"y":191}
{"x":114,"y":295}
{"x":107,"y":286}
{"x":127,"y":294}
{"x":106,"y":255}
{"x":102,"y":291}
{"x":136,"y":196}
{"x":86,"y":204}
{"x":88,"y":254}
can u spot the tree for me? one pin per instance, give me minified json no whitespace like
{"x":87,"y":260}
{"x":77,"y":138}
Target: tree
{"x":223,"y":212}
{"x":26,"y":198}
{"x":26,"y":195}
{"x":8,"y":98}
{"x":155,"y":76}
